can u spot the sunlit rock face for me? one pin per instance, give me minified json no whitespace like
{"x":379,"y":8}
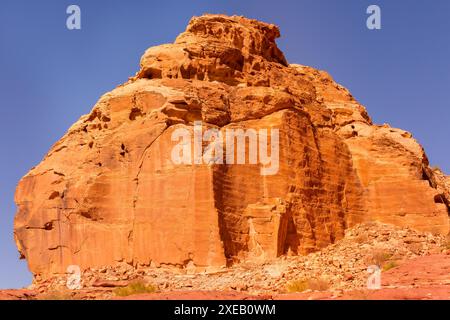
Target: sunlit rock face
{"x":109,"y":191}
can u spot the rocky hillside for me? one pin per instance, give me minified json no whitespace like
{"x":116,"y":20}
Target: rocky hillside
{"x":108,"y":191}
{"x":413,"y":265}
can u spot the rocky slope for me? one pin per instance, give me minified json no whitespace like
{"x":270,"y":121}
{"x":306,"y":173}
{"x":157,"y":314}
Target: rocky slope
{"x":414,"y":265}
{"x":108,"y":192}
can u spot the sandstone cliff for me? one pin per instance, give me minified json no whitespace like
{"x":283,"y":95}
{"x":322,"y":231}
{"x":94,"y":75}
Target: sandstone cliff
{"x":108,"y":191}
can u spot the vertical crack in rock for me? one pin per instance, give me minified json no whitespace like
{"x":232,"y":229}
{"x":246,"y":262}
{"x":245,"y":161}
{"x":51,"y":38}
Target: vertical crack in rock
{"x":135,"y":197}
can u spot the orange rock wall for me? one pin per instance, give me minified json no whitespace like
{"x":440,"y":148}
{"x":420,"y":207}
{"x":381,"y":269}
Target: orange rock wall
{"x":108,"y":191}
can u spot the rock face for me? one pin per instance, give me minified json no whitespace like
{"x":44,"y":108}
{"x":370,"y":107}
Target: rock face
{"x":109,"y":190}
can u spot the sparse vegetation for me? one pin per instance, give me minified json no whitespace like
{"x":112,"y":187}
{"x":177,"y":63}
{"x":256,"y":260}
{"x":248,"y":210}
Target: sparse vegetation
{"x":134,"y":288}
{"x":383,"y":259}
{"x":389,"y":265}
{"x":297,"y":286}
{"x":380,"y":257}
{"x":308,"y":284}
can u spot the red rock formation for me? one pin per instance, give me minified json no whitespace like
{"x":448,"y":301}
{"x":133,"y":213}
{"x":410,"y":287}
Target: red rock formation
{"x":109,"y":192}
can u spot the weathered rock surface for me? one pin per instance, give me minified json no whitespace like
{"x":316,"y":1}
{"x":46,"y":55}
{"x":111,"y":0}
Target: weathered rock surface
{"x":413,"y":264}
{"x":108,"y":192}
{"x":342,"y":266}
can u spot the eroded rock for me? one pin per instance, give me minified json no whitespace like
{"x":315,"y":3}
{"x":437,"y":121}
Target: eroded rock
{"x":107,"y":192}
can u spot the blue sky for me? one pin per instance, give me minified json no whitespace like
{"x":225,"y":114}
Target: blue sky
{"x":50,"y":76}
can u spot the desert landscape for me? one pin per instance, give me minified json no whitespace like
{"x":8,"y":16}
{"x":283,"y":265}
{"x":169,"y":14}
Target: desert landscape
{"x":348,"y":195}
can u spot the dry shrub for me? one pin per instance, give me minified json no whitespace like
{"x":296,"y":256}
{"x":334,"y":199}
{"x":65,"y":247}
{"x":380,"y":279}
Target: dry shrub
{"x":136,"y":287}
{"x":389,"y":265}
{"x":301,"y":285}
{"x":379,"y":257}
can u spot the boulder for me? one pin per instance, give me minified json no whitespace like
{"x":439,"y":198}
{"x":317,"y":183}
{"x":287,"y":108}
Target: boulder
{"x":109,"y":191}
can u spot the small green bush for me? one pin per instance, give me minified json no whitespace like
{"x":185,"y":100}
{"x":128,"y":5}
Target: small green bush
{"x":134,"y":288}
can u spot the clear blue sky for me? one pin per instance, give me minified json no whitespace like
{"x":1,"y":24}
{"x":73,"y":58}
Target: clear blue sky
{"x":50,"y":76}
